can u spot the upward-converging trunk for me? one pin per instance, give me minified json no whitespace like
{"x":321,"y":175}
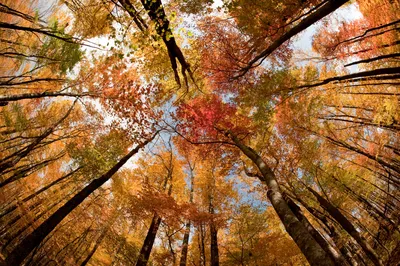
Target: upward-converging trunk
{"x":332,"y":231}
{"x":156,"y":12}
{"x":327,"y":8}
{"x":149,"y":241}
{"x":33,"y":195}
{"x":96,"y":246}
{"x":214,"y":245}
{"x":335,"y":255}
{"x":34,"y":239}
{"x":213,"y":229}
{"x":185,"y":242}
{"x":147,"y":246}
{"x":307,"y":244}
{"x":13,"y":159}
{"x":348,"y":226}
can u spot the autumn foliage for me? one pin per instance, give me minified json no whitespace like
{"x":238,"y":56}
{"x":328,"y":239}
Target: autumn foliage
{"x":199,"y":133}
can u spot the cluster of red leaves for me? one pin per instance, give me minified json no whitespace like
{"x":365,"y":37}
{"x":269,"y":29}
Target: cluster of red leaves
{"x":222,"y":55}
{"x":203,"y":116}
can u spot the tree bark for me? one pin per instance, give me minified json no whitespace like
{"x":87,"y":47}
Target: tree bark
{"x":214,"y":261}
{"x":329,"y":7}
{"x":13,"y":207}
{"x":145,"y":251}
{"x":214,"y":245}
{"x":156,"y":12}
{"x":96,"y":246}
{"x":307,"y":244}
{"x":13,"y":159}
{"x":12,"y":98}
{"x":348,"y":226}
{"x":369,"y":73}
{"x":18,"y":255}
{"x":185,"y":242}
{"x":335,"y":255}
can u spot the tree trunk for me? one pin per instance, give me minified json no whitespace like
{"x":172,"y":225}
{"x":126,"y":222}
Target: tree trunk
{"x":144,"y":254}
{"x":156,"y":12}
{"x":201,"y":234}
{"x":348,"y":226}
{"x":96,"y":246}
{"x":307,"y":244}
{"x":332,"y":231}
{"x":185,"y":242}
{"x":366,"y":74}
{"x":326,"y":9}
{"x":12,"y":98}
{"x":214,"y":245}
{"x":13,"y":207}
{"x":213,"y":230}
{"x":13,"y":159}
{"x":18,"y":255}
{"x":145,"y":251}
{"x":335,"y":255}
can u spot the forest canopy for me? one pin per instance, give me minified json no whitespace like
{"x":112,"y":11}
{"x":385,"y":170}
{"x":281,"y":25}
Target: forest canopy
{"x":199,"y":132}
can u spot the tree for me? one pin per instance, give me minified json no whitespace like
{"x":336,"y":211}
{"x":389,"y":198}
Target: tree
{"x":269,"y":154}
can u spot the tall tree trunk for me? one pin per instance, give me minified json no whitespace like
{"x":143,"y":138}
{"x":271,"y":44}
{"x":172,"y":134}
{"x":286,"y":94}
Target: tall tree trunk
{"x":214,"y":245}
{"x":156,"y":12}
{"x":185,"y":242}
{"x":335,"y":255}
{"x":14,"y":158}
{"x":332,"y":231}
{"x":348,"y":226}
{"x":145,"y":251}
{"x":326,"y":9}
{"x":17,"y":97}
{"x":201,"y":234}
{"x":97,"y":244}
{"x":307,"y":244}
{"x":213,"y":230}
{"x":185,"y":245}
{"x":13,"y":207}
{"x":33,"y":240}
{"x":371,"y":209}
{"x":362,"y":74}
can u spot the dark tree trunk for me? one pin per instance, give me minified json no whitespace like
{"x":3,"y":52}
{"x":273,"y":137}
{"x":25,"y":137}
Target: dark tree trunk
{"x":201,"y":234}
{"x":14,"y":158}
{"x":214,"y":245}
{"x":348,"y":226}
{"x":185,"y":242}
{"x":330,"y":228}
{"x":323,"y":11}
{"x":145,"y":251}
{"x":349,"y":77}
{"x":213,"y":230}
{"x":325,"y":245}
{"x":96,"y":246}
{"x":18,"y":97}
{"x":44,"y":31}
{"x":18,"y":255}
{"x":370,"y":208}
{"x":307,"y":244}
{"x":156,"y":12}
{"x":13,"y":207}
